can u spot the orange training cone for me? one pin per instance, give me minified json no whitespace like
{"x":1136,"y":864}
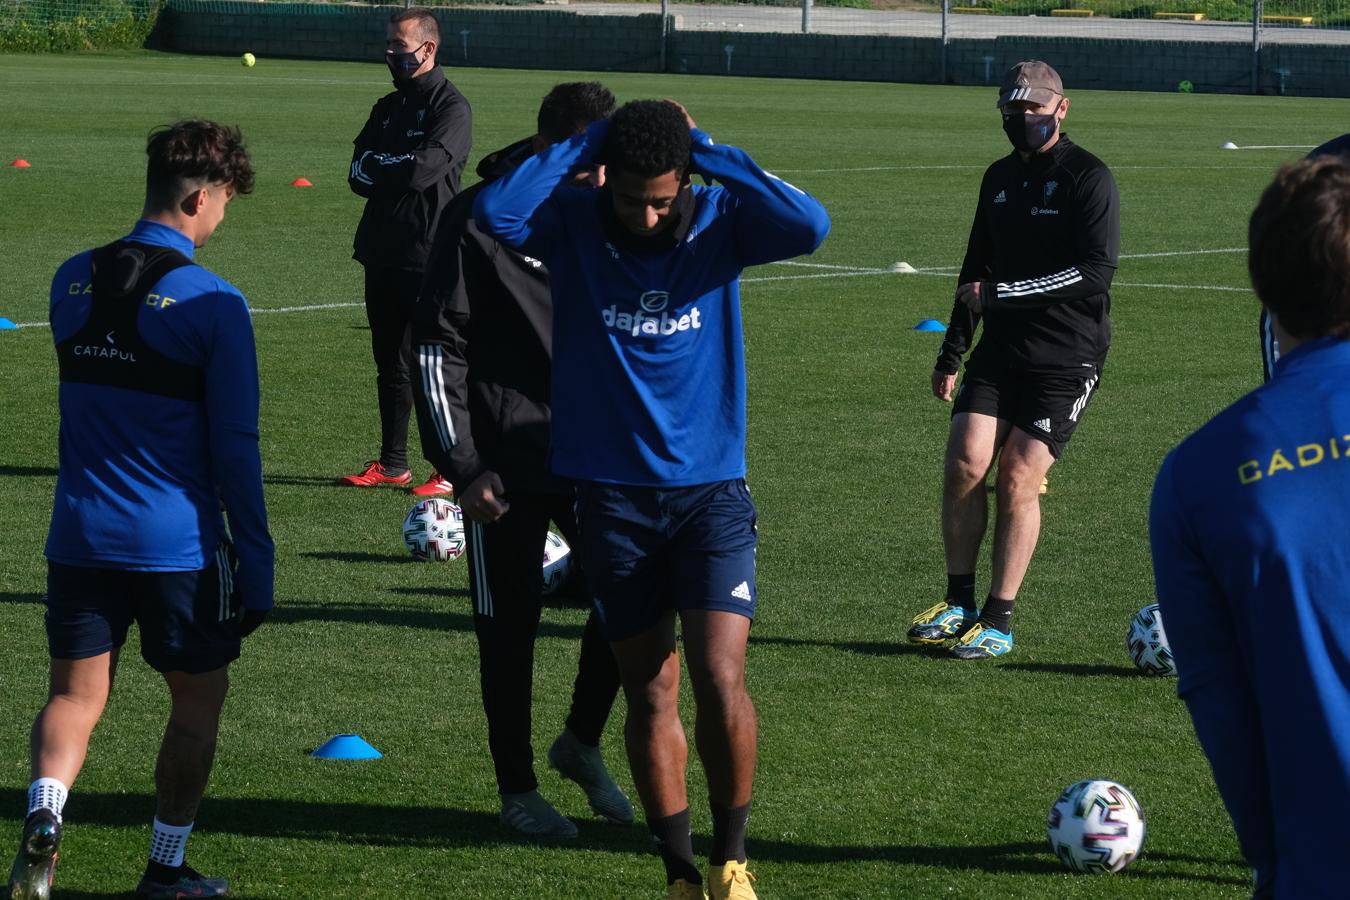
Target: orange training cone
{"x":302,"y":182}
{"x":20,"y":164}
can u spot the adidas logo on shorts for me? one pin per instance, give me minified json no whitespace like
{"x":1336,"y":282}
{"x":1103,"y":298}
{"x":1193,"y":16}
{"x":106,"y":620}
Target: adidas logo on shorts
{"x":742,"y":591}
{"x":1043,"y":425}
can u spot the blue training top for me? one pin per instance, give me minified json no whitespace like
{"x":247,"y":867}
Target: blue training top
{"x":142,"y":476}
{"x":648,"y":360}
{"x":1251,"y":551}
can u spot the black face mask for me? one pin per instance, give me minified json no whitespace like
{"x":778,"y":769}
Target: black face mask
{"x":1029,"y":132}
{"x":403,"y":65}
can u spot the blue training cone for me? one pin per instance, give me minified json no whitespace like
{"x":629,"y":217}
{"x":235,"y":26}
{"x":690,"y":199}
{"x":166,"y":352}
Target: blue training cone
{"x":346,"y":746}
{"x":6,"y":324}
{"x":930,"y":325}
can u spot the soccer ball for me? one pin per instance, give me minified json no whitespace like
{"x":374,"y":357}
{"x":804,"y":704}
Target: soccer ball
{"x":434,"y":529}
{"x":248,"y":60}
{"x":1185,"y":87}
{"x":1147,"y":643}
{"x":557,"y":563}
{"x":1096,"y":826}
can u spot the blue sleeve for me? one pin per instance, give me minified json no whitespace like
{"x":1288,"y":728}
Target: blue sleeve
{"x":1212,"y":677}
{"x":232,"y":418}
{"x":773,"y":219}
{"x":515,"y":209}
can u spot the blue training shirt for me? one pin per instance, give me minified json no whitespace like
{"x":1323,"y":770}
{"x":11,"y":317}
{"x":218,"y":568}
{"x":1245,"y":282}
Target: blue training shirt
{"x":1251,"y":551}
{"x":142,"y":476}
{"x":648,"y":359}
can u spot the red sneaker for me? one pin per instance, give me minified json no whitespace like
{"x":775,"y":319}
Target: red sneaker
{"x":435,"y":486}
{"x":374,"y":474}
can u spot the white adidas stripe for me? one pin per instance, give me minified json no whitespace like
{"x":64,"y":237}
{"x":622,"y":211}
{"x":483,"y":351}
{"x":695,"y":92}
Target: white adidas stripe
{"x":1081,"y":402}
{"x":1039,"y":285}
{"x":478,"y":562}
{"x":433,"y":387}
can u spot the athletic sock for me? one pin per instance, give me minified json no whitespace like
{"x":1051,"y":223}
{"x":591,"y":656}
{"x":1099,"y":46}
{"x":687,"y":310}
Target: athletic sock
{"x":728,"y":841}
{"x":961,"y":590}
{"x":168,"y":842}
{"x":997,"y":614}
{"x":676,"y":846}
{"x":47,"y":793}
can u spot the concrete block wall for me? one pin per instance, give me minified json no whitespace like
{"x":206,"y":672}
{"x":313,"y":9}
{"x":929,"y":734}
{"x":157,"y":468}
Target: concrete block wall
{"x":558,"y":39}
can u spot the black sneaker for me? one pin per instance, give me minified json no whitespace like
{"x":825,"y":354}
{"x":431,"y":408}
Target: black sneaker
{"x":35,"y":864}
{"x":187,"y":882}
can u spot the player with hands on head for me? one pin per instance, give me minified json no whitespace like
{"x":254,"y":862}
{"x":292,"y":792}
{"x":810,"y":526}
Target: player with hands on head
{"x":649,"y":421}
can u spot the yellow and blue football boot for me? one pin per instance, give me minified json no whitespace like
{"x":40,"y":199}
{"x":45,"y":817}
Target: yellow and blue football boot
{"x":941,"y":623}
{"x":983,"y":642}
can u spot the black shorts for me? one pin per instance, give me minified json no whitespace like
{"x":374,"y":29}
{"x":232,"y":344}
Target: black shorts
{"x":1047,"y":404}
{"x":189,"y":621}
{"x":649,"y":550}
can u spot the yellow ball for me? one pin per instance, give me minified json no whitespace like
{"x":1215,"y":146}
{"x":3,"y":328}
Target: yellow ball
{"x":248,"y":60}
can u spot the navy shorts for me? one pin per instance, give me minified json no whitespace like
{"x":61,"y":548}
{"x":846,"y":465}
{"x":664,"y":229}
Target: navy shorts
{"x":1045,"y":403}
{"x":189,"y":621}
{"x":647,"y":551}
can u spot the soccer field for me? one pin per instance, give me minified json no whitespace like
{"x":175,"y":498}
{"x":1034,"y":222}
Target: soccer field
{"x":885,"y":771}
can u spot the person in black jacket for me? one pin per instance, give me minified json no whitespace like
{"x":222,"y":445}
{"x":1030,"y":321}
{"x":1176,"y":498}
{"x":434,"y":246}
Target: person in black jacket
{"x":1038,"y":269}
{"x":483,"y":331}
{"x":406,"y":163}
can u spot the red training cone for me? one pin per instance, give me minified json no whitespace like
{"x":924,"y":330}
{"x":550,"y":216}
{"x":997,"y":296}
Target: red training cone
{"x":302,"y":182}
{"x":20,"y":164}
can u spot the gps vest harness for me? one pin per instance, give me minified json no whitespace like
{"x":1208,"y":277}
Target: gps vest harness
{"x":109,"y":349}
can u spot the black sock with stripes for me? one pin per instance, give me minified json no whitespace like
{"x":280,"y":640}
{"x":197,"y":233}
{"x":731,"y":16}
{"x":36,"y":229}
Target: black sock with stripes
{"x":961,"y":590}
{"x":728,"y":838}
{"x":676,"y":846}
{"x":997,"y":614}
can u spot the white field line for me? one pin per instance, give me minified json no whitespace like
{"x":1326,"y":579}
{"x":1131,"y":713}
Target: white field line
{"x":920,"y":168}
{"x":834,"y":272}
{"x":1276,"y":147}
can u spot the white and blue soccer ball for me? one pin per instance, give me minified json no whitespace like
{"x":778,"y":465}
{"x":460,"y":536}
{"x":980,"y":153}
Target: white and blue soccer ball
{"x":1147,"y":643}
{"x":434,"y":530}
{"x":557,"y":563}
{"x":1096,"y":826}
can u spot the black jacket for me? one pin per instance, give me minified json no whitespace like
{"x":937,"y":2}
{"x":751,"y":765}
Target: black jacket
{"x":406,"y":163}
{"x":1044,"y":247}
{"x":483,"y":328}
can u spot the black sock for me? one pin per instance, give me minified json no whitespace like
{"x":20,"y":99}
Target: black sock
{"x":162,"y":874}
{"x":728,"y":841}
{"x":997,"y":614}
{"x":676,"y":846}
{"x":961,"y":590}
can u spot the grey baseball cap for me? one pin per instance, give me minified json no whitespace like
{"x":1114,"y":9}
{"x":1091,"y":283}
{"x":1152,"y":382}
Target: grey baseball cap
{"x":1030,"y":80}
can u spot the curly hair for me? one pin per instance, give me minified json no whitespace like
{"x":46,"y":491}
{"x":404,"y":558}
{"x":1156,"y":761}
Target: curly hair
{"x":571,"y":106}
{"x":193,"y":153}
{"x":1299,"y":240}
{"x":647,"y":138}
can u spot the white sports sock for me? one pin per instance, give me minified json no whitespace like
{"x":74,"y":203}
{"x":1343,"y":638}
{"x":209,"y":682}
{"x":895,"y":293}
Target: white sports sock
{"x":168,"y":843}
{"x":47,"y":793}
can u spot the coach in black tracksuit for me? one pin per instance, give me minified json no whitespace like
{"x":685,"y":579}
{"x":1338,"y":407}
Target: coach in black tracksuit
{"x":484,"y":339}
{"x":406,"y":162}
{"x":1038,"y":268}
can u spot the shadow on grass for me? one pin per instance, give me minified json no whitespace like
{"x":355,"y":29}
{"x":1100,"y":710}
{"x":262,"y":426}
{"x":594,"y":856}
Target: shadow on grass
{"x":402,"y":617}
{"x":412,"y":826}
{"x":58,"y":894}
{"x":867,"y":648}
{"x":29,"y":471}
{"x":1080,"y":669}
{"x":302,"y":480}
{"x":360,"y":556}
{"x":19,"y":597}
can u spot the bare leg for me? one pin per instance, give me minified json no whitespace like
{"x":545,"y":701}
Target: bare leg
{"x":189,"y":746}
{"x":972,"y":445}
{"x":79,"y":692}
{"x":1025,"y":462}
{"x":649,"y":666}
{"x":725,"y":729}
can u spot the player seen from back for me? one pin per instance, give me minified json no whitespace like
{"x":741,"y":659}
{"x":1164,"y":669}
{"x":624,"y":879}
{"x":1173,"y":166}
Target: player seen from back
{"x":159,"y":425}
{"x":1250,"y":529}
{"x":1038,"y":268}
{"x":649,"y":420}
{"x":484,"y":335}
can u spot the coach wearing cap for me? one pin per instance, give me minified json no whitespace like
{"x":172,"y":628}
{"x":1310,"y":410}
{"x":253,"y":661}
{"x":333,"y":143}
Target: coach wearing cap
{"x":1037,"y":272}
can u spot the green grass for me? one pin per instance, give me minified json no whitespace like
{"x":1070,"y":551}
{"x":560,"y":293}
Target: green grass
{"x":883,"y":772}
